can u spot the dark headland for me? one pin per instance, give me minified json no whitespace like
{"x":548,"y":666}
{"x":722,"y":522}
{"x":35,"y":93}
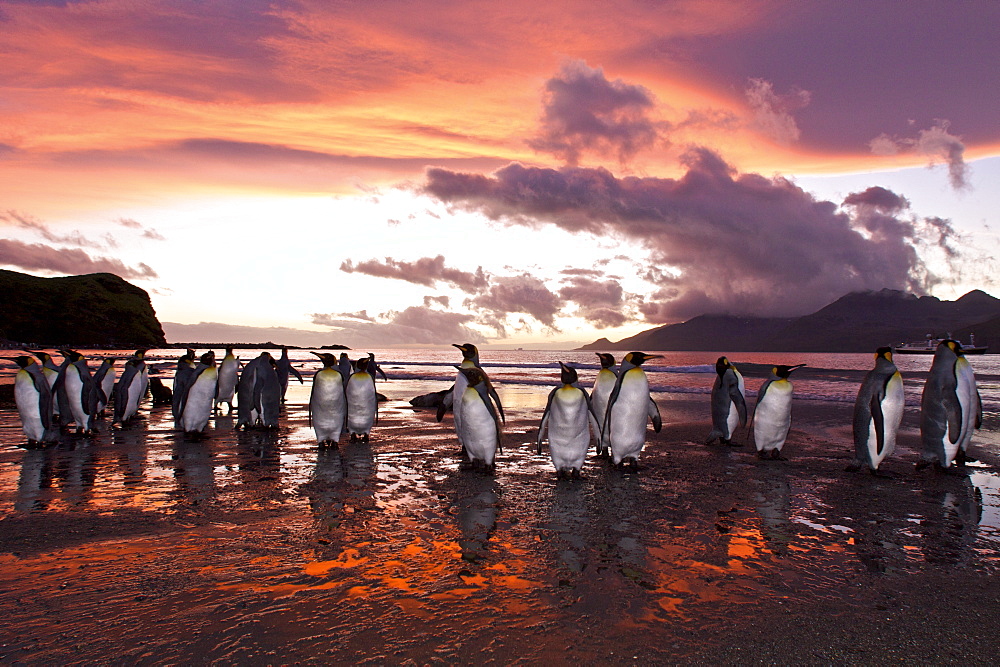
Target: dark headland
{"x":856,"y":322}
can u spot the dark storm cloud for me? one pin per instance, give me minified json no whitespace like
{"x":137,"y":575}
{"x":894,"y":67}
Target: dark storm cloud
{"x":425,"y":271}
{"x":600,"y":301}
{"x":739,"y":243}
{"x":416,"y":325}
{"x":584,"y":112}
{"x":878,"y":197}
{"x":516,"y":294}
{"x":71,"y":261}
{"x":936,"y":143}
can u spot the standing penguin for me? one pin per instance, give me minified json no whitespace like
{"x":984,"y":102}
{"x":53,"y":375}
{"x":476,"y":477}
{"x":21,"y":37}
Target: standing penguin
{"x":228,"y":376}
{"x":604,"y":384}
{"x":729,"y":407}
{"x":374,"y":368}
{"x":77,"y":390}
{"x":258,"y":394}
{"x":568,"y":416}
{"x":105,"y":380}
{"x":283,"y":367}
{"x":131,"y":387}
{"x":878,"y":411}
{"x":470,"y":359}
{"x":346,"y":367}
{"x":772,"y":415}
{"x":362,"y":402}
{"x":183,"y":377}
{"x":949,"y":407}
{"x":33,"y":397}
{"x":628,"y":408}
{"x":51,"y":370}
{"x":328,"y":402}
{"x":199,"y":398}
{"x":480,"y":426}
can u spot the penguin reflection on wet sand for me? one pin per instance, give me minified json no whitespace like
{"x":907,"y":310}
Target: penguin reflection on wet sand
{"x":628,"y":408}
{"x":772,"y":416}
{"x":950,"y":408}
{"x":568,"y":417}
{"x":604,"y":384}
{"x":327,"y":402}
{"x":33,"y":397}
{"x":878,"y":412}
{"x":480,"y":425}
{"x":729,"y":408}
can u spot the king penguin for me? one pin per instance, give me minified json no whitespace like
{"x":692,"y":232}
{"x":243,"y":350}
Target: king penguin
{"x":362,"y":402}
{"x":950,"y":407}
{"x":878,"y":411}
{"x":104,"y":378}
{"x":470,"y":359}
{"x":200,"y":396}
{"x":258,"y":394}
{"x":480,"y":425}
{"x":628,"y":408}
{"x":283,"y":367}
{"x":568,"y":416}
{"x":131,"y":387}
{"x":374,"y":368}
{"x":228,"y":376}
{"x":51,"y":370}
{"x":183,"y":377}
{"x":729,"y":407}
{"x":76,"y":387}
{"x":772,"y":415}
{"x":33,"y":397}
{"x":328,"y":402}
{"x":604,"y":384}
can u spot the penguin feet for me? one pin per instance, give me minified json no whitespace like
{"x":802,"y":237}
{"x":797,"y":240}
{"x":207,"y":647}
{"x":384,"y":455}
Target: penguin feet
{"x":364,"y":438}
{"x":776,"y":455}
{"x":732,"y":443}
{"x":354,"y":437}
{"x":962,"y":457}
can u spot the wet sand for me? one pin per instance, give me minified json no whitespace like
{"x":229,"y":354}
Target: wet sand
{"x":141,"y":547}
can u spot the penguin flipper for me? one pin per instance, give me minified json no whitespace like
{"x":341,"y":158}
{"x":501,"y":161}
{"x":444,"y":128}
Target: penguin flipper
{"x":979,"y":409}
{"x":740,"y":402}
{"x":760,"y":397}
{"x":296,"y":373}
{"x":545,"y":419}
{"x":496,"y":397}
{"x":654,"y":414}
{"x":879,"y":420}
{"x":378,"y":369}
{"x":446,"y":403}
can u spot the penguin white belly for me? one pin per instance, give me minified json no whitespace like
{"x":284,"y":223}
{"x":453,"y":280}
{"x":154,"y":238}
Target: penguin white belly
{"x":603,"y":387}
{"x":328,"y":405}
{"x":26,"y":397}
{"x":773,"y":417}
{"x":569,"y":429}
{"x":361,"y":403}
{"x":134,"y":394}
{"x":892,"y":416}
{"x":627,"y":422}
{"x":966,"y":390}
{"x":74,"y":389}
{"x":479,"y":430}
{"x":200,"y":399}
{"x":107,"y":386}
{"x":461,"y":383}
{"x":227,"y":380}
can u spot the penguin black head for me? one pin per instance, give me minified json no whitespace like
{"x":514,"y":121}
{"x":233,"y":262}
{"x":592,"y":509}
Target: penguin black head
{"x":607,"y":360}
{"x":567,"y":375}
{"x":473,"y":375}
{"x":208,"y":358}
{"x":73,"y":355}
{"x":23,"y":361}
{"x":362,"y":365}
{"x":638,"y":358}
{"x":954,"y":345}
{"x":229,"y":351}
{"x":327,"y":359}
{"x":884,"y":353}
{"x":784,"y":371}
{"x":469,"y":351}
{"x":722,"y":365}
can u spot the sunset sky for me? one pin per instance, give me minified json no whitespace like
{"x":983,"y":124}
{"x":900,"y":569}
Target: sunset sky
{"x":535,"y":174}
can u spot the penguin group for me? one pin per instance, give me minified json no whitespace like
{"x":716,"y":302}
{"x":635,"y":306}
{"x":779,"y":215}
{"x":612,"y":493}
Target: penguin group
{"x":613,"y":415}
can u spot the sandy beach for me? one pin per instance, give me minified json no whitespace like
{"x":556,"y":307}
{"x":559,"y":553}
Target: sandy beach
{"x":141,"y":547}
